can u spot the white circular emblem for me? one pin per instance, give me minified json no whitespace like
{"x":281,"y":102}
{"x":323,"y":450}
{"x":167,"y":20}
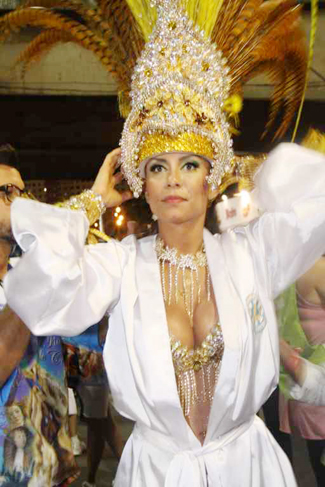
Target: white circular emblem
{"x":256,"y":312}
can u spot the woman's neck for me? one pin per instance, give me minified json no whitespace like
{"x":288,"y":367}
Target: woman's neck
{"x":187,"y":237}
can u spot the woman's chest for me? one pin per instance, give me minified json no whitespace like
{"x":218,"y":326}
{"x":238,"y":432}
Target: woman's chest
{"x":191,"y":332}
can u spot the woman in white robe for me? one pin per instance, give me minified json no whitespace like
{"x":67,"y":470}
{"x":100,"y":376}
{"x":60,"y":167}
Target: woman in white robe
{"x":68,"y":286}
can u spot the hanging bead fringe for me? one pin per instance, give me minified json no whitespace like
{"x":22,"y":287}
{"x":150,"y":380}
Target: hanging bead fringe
{"x":179,"y":263}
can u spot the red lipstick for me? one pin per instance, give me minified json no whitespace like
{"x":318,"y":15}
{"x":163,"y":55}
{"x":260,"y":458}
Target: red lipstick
{"x":173,"y":199}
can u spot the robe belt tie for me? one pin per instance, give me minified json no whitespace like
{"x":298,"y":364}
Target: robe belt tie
{"x":187,"y":467}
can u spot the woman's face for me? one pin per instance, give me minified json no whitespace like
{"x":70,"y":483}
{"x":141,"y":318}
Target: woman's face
{"x":20,"y":439}
{"x":176,"y":187}
{"x":15,"y":416}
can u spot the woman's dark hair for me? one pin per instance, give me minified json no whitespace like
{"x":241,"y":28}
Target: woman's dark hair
{"x":8,"y":156}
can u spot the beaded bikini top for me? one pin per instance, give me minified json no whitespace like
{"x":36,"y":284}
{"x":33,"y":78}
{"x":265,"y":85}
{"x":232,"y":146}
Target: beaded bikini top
{"x":197,"y":370}
{"x":210,"y":349}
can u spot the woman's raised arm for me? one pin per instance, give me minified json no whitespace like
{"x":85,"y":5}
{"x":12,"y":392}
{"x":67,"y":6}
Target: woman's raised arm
{"x":61,"y":286}
{"x":290,"y":189}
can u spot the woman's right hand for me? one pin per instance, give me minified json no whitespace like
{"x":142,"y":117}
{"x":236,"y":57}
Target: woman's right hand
{"x":105,"y":181}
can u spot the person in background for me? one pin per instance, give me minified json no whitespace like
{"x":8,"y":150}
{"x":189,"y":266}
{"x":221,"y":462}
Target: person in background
{"x":87,"y":372}
{"x":301,"y":311}
{"x":35,"y":448}
{"x":78,"y":446}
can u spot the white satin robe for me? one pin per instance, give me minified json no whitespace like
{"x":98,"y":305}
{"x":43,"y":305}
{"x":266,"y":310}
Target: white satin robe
{"x":61,"y":287}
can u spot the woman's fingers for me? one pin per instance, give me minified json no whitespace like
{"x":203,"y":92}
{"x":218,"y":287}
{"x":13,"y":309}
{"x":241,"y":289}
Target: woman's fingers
{"x":118,"y":178}
{"x":106,"y":181}
{"x":126,"y":196}
{"x":112,"y":159}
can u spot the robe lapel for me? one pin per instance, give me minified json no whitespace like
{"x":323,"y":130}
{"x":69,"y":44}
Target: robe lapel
{"x":158,"y":370}
{"x":232,"y":320}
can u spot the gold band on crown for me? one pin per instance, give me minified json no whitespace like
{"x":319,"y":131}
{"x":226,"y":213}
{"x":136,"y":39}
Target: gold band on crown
{"x":159,"y":143}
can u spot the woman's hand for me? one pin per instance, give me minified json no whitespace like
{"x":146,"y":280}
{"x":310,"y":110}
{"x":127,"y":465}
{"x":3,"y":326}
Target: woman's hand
{"x":292,"y":362}
{"x":105,"y":181}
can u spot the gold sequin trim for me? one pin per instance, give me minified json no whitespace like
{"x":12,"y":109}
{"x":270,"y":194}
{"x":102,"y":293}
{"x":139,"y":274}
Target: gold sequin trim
{"x":185,"y":142}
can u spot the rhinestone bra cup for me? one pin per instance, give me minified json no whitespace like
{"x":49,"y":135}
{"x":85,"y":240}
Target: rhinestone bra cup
{"x":197,"y":370}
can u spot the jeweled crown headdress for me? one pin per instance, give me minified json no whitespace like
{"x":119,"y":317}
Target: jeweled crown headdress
{"x":189,"y":74}
{"x":178,"y":90}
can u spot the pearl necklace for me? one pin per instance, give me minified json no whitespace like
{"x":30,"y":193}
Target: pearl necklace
{"x":178,"y":263}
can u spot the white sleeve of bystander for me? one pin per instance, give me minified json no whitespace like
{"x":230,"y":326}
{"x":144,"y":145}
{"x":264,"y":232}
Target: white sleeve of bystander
{"x":313,"y":389}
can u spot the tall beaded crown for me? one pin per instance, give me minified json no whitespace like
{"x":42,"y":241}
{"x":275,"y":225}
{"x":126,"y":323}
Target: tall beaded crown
{"x":178,"y":91}
{"x":182,"y":81}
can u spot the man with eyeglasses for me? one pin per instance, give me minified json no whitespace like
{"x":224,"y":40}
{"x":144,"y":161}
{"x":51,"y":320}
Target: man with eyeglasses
{"x":35,"y":448}
{"x":11,"y":185}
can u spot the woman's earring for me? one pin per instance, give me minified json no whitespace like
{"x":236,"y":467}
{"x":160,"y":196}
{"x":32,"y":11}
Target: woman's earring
{"x":154,"y":217}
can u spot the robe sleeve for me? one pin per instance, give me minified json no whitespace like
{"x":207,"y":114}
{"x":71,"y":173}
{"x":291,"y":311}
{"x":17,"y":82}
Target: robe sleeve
{"x":61,"y":286}
{"x":313,"y":389}
{"x":290,"y":235}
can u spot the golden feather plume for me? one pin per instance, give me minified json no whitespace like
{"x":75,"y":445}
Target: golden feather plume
{"x":314,"y":23}
{"x":232,"y":18}
{"x":40,"y":46}
{"x":118,"y":13}
{"x":99,"y":43}
{"x":255,"y":36}
{"x":259,"y":37}
{"x":243,"y":171}
{"x":203,"y":13}
{"x":315,"y":140}
{"x":144,"y":14}
{"x":91,"y":16}
{"x":228,"y":18}
{"x":121,"y":21}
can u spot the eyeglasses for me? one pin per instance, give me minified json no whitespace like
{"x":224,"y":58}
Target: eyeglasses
{"x":11,"y":191}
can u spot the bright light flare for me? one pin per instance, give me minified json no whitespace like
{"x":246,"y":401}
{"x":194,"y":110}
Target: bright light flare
{"x":245,"y":197}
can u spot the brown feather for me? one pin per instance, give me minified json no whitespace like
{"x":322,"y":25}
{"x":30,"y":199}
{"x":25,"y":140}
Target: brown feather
{"x":255,"y":36}
{"x":229,"y":17}
{"x":41,"y":44}
{"x":92,"y":17}
{"x":269,"y":39}
{"x":39,"y":47}
{"x":243,"y":26}
{"x":121,"y":19}
{"x":19,"y":19}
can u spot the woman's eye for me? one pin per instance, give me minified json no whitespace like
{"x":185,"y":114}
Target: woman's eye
{"x":190,"y":166}
{"x":156,"y":168}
